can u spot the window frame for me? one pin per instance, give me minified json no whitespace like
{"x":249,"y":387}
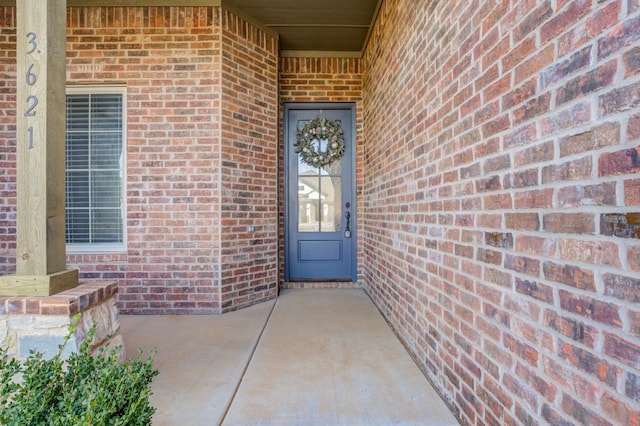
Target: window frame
{"x":79,"y":248}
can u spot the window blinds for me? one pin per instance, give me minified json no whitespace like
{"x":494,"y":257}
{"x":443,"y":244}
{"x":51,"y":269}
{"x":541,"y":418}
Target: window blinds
{"x":95,"y":169}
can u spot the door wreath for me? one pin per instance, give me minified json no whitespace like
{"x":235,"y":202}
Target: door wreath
{"x":320,"y":129}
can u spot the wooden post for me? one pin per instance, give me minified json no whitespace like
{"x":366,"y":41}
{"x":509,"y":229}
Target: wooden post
{"x":41,"y":130}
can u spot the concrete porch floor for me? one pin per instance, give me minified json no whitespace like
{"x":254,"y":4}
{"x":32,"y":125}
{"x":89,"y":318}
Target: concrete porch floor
{"x":313,"y":357}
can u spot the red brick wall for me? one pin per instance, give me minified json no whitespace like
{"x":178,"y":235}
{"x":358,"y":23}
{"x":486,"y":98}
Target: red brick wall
{"x":249,"y":164}
{"x":502,"y":202}
{"x":179,"y":155}
{"x":165,"y":57}
{"x":7,"y":139}
{"x":321,"y":80}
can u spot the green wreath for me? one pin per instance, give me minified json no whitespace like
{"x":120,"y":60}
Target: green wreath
{"x":320,"y":129}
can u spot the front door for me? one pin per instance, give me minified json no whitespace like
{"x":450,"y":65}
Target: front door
{"x":320,"y":204}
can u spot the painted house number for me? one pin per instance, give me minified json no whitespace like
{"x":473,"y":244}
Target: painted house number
{"x":31,"y":79}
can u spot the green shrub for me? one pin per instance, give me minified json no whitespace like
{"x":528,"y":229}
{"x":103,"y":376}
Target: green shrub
{"x":81,"y":390}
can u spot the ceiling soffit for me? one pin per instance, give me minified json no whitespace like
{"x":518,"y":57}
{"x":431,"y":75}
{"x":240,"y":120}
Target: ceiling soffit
{"x":338,"y":28}
{"x":312,"y":27}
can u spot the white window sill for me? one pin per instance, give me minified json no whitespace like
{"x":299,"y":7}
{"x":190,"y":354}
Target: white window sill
{"x":96,"y":249}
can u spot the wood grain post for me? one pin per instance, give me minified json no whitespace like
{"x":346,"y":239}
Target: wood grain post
{"x":41,"y":130}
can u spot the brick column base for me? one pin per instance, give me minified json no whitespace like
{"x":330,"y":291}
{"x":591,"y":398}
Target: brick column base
{"x":41,"y":323}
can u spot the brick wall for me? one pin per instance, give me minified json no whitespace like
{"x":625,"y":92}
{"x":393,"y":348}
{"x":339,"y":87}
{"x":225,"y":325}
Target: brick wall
{"x":249,"y":164}
{"x":497,"y":147}
{"x":165,"y":57}
{"x":502,"y":202}
{"x":321,"y":80}
{"x":7,"y":138}
{"x":179,"y":155}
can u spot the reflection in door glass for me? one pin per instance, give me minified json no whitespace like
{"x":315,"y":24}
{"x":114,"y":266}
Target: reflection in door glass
{"x":334,"y":168}
{"x":305,"y":169}
{"x":331,"y":203}
{"x":319,"y":203}
{"x":308,"y":203}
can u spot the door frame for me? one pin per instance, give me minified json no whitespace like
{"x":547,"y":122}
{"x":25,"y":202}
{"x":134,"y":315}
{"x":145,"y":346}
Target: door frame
{"x":351,"y":145}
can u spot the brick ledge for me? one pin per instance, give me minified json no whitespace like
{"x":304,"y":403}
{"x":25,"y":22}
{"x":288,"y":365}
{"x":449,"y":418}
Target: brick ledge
{"x":69,"y":302}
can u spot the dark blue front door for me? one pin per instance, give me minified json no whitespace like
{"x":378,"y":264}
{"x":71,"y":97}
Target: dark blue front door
{"x":320,"y":203}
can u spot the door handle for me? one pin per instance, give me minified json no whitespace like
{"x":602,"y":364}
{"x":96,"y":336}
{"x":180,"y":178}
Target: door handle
{"x":347,"y":230}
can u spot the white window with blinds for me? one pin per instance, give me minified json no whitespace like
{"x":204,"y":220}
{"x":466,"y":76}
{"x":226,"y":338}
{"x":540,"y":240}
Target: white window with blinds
{"x":95,"y":165}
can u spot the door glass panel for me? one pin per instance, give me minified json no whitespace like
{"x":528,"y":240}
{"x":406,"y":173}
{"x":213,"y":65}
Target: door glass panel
{"x":305,"y":169}
{"x":308,"y":203}
{"x":334,"y":168}
{"x":331,"y":204}
{"x":319,"y":194}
